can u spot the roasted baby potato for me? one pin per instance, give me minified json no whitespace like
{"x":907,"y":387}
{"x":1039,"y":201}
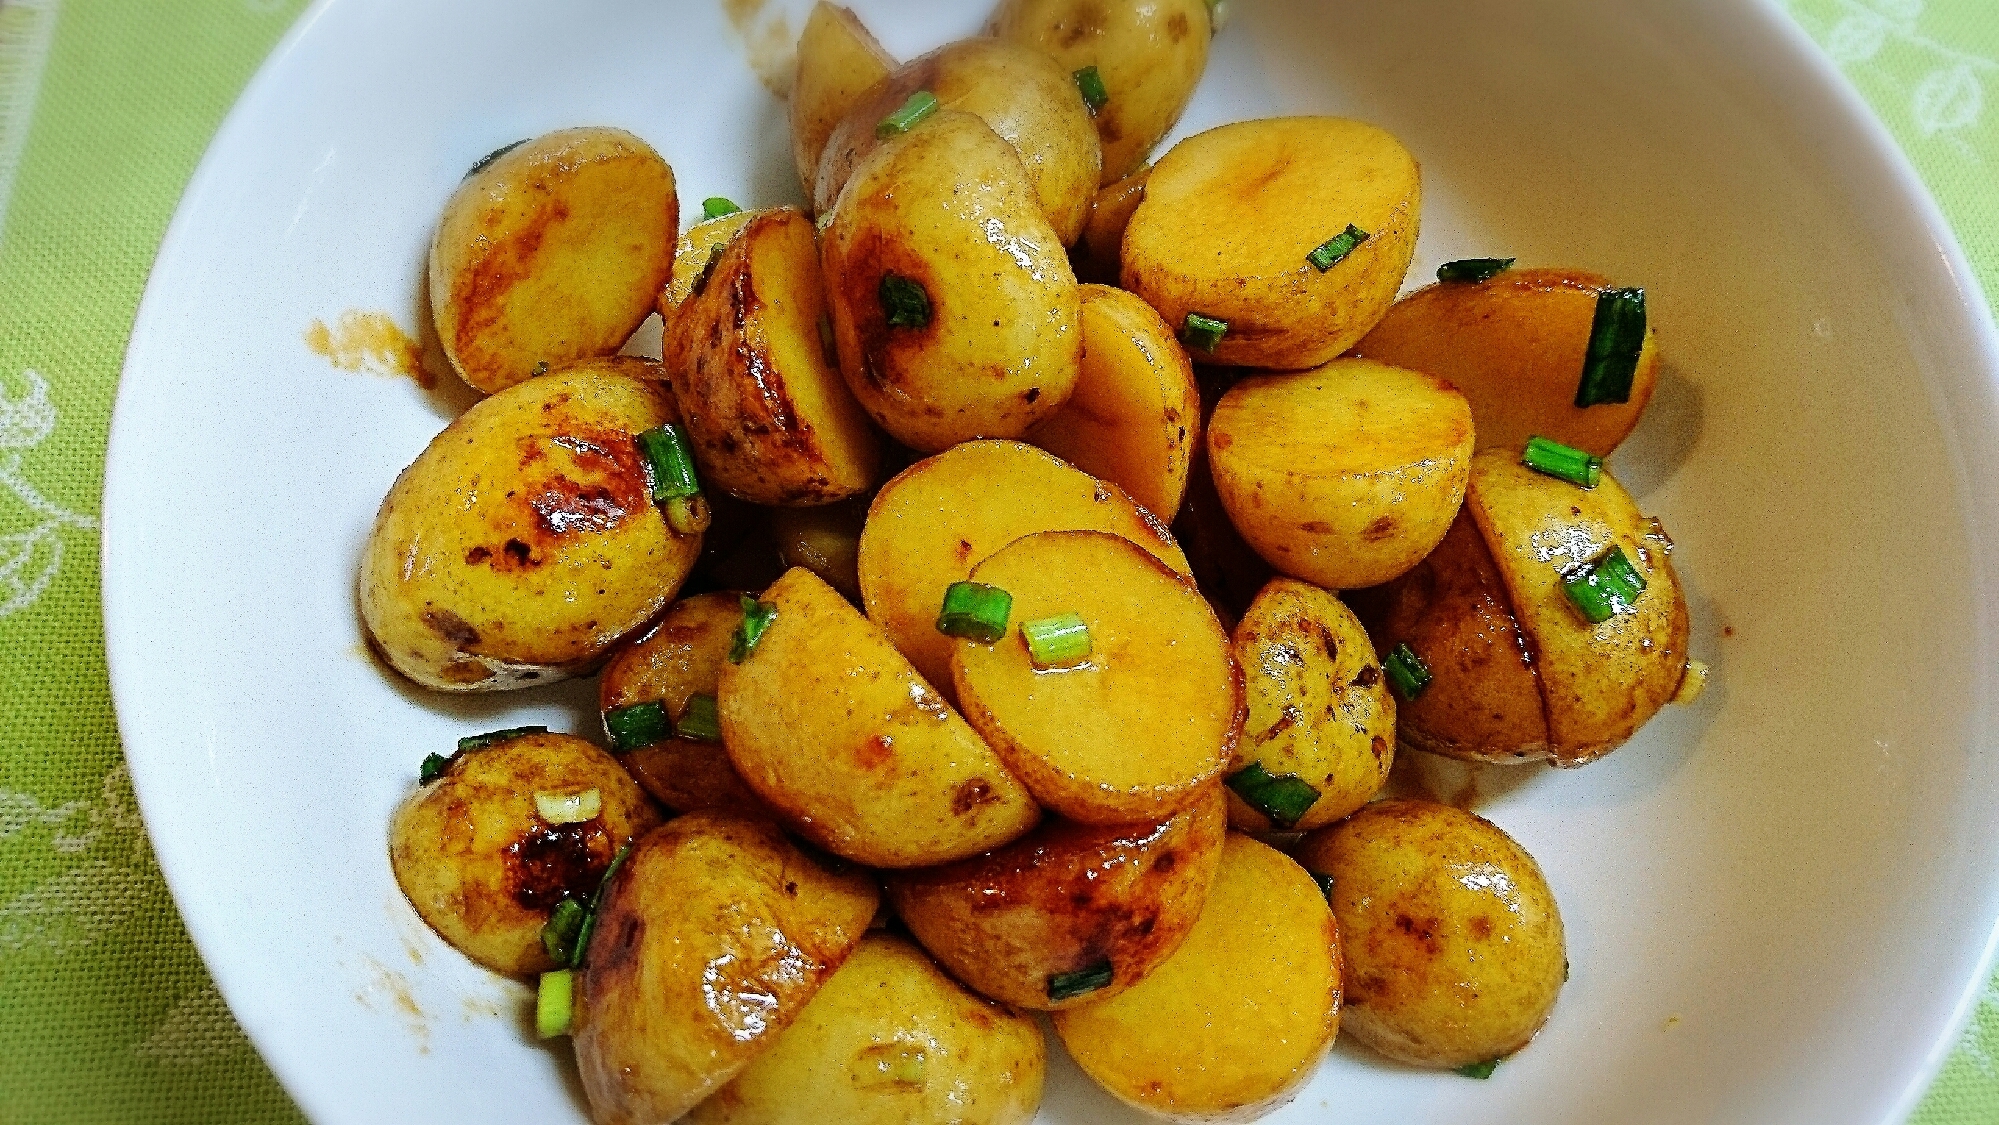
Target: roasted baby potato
{"x":1019,"y":93}
{"x":1239,"y":1016}
{"x":1344,"y":476}
{"x":475,"y":856}
{"x":695,"y":256}
{"x":523,"y":542}
{"x":552,"y":250}
{"x":711,"y":938}
{"x":1149,"y":56}
{"x":1135,"y":416}
{"x":1233,"y":218}
{"x":890,"y":1039}
{"x":1229,"y":571}
{"x":770,"y":418}
{"x":1070,"y":913}
{"x":1515,"y":345}
{"x":933,"y":523}
{"x":1453,"y":943}
{"x":1097,"y":254}
{"x":891,"y":776}
{"x":1319,"y":711}
{"x":824,"y":540}
{"x":1136,"y":730}
{"x":839,"y":61}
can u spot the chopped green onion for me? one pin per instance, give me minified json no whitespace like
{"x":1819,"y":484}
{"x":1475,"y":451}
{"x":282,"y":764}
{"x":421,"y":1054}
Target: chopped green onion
{"x":671,"y":460}
{"x":757,"y":617}
{"x":908,"y":1068}
{"x":569,"y":808}
{"x":1407,"y":672}
{"x":1204,"y":332}
{"x":1285,"y":798}
{"x":1062,"y":641}
{"x":715,"y":207}
{"x":1479,"y":1069}
{"x":554,"y":1003}
{"x":1325,"y":884}
{"x":433,"y":768}
{"x":493,"y":738}
{"x":904,"y":301}
{"x":640,"y":724}
{"x":920,"y":105}
{"x":1605,"y":588}
{"x":700,"y":722}
{"x":975,"y":611}
{"x":1473,"y":270}
{"x":689,"y":515}
{"x":1091,"y":83}
{"x":486,"y":161}
{"x":1562,"y":462}
{"x":1068,"y":986}
{"x":558,"y":934}
{"x":1335,"y":248}
{"x":1616,"y":336}
{"x":589,"y":926}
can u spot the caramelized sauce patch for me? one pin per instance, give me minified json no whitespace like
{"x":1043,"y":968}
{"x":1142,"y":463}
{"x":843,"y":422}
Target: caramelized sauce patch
{"x":554,"y":861}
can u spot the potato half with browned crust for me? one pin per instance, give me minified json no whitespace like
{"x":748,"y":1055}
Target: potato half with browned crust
{"x":839,"y":61}
{"x":1070,"y":913}
{"x":711,"y":938}
{"x":481,"y":864}
{"x":551,"y":251}
{"x":523,"y":542}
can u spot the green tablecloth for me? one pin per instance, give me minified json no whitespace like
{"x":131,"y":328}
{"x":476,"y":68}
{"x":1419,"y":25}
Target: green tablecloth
{"x":105,"y":106}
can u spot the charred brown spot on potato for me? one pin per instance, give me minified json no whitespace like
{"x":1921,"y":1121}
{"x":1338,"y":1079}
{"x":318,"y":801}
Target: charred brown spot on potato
{"x":561,"y":512}
{"x":1220,"y":440}
{"x":554,"y":861}
{"x":1481,"y":927}
{"x":451,"y":627}
{"x":971,"y":794}
{"x":875,"y":753}
{"x":465,"y":672}
{"x":1423,"y":932}
{"x":1176,"y":27}
{"x":477,"y":555}
{"x":1379,"y":747}
{"x":518,"y":555}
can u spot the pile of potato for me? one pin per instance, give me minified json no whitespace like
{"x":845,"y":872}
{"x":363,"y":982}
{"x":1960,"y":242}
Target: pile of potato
{"x":837,"y":854}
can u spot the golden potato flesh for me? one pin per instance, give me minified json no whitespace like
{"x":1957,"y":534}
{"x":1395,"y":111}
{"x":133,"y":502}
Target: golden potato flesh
{"x":1070,"y":913}
{"x":1232,"y":216}
{"x":1319,"y":708}
{"x":711,"y":938}
{"x":523,"y":543}
{"x":1454,"y":949}
{"x":474,"y":855}
{"x":694,"y":257}
{"x":1515,"y":346}
{"x":1150,"y":57}
{"x":943,"y":516}
{"x":890,"y":1039}
{"x":954,"y":309}
{"x":1137,"y":730}
{"x":1239,"y":1016}
{"x":1344,"y":476}
{"x":839,"y":61}
{"x":824,"y":540}
{"x":771,"y":420}
{"x":835,"y":730}
{"x":1135,"y":417}
{"x":1097,"y":253}
{"x":551,"y":252}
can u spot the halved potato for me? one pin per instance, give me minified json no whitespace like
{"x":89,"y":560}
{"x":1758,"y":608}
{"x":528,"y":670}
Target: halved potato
{"x":551,"y":251}
{"x":839,"y":61}
{"x":1514,"y":345}
{"x":1097,"y":254}
{"x":1135,"y":732}
{"x":1344,"y":476}
{"x":1231,"y":217}
{"x":825,"y":541}
{"x":835,"y":730}
{"x":1135,"y":416}
{"x":770,"y":418}
{"x":933,"y":523}
{"x":696,"y":254}
{"x":523,"y":543}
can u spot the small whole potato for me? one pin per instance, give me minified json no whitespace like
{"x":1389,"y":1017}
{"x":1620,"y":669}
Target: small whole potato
{"x":1453,"y":943}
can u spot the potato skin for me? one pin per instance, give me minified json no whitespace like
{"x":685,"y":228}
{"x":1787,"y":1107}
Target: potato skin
{"x":1453,"y":943}
{"x":825,"y":541}
{"x":523,"y":543}
{"x":482,"y":867}
{"x":551,"y":253}
{"x":1064,"y":898}
{"x":711,"y":938}
{"x":888,"y":1039}
{"x":839,"y":61}
{"x":692,"y":255}
{"x":1099,"y":253}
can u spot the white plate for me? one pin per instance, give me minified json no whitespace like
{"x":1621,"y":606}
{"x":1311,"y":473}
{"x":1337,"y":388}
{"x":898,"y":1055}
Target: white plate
{"x":1779,"y":902}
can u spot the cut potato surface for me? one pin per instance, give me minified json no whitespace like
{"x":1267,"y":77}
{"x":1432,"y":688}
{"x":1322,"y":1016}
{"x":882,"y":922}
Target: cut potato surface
{"x":695,"y":253}
{"x":1137,"y":730}
{"x":839,"y":61}
{"x":551,"y":252}
{"x":943,"y":516}
{"x":1232,"y":216}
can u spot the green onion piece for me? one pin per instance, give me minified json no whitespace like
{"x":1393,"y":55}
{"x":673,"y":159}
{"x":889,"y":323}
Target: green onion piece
{"x":920,"y":105}
{"x":1473,"y":270}
{"x":908,"y":1068}
{"x":671,"y":460}
{"x":1562,"y":462}
{"x":1479,"y":1069}
{"x":1068,"y":986}
{"x":1335,"y":248}
{"x":1091,"y":83}
{"x":717,"y":206}
{"x":1407,"y":672}
{"x":433,"y":768}
{"x":1325,"y":884}
{"x":589,"y":926}
{"x":1285,"y":798}
{"x":757,"y":617}
{"x":569,"y":808}
{"x":554,"y":1003}
{"x":486,"y":161}
{"x":641,"y":724}
{"x":975,"y":611}
{"x":1062,"y":641}
{"x":1605,"y":588}
{"x":1204,"y":332}
{"x":493,"y":738}
{"x":559,"y":933}
{"x":700,"y":723}
{"x":689,"y":515}
{"x":1616,"y":336}
{"x":905,"y":302}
